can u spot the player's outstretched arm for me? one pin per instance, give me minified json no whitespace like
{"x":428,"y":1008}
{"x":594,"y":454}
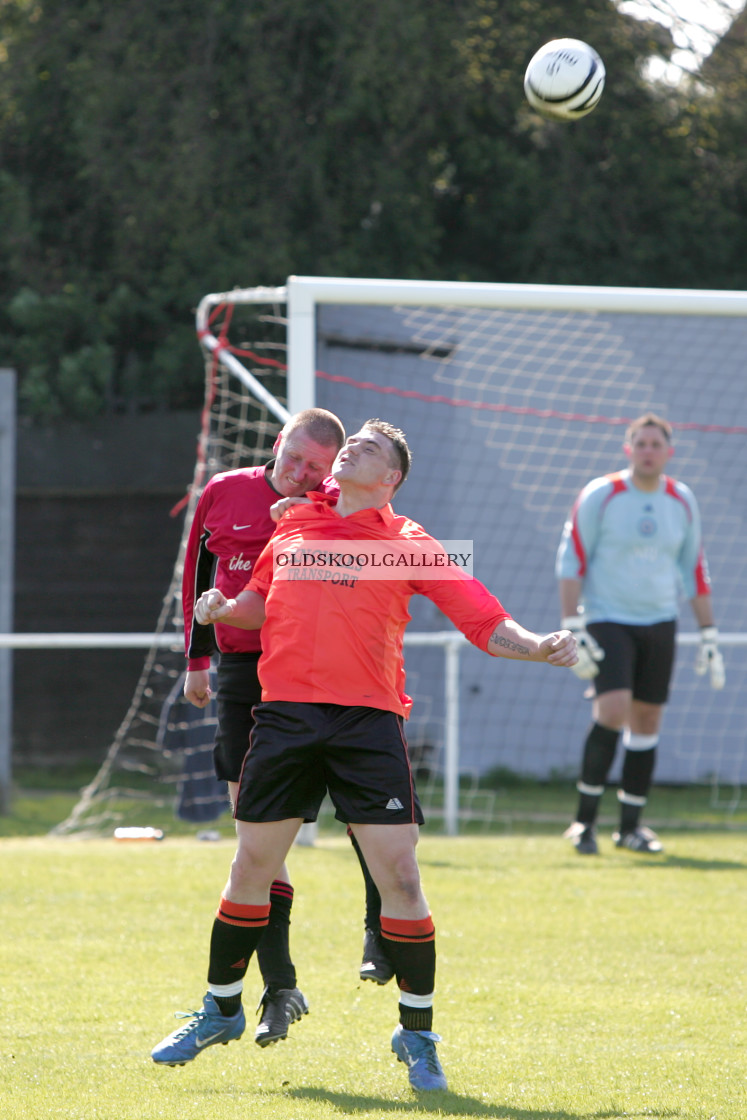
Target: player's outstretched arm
{"x":246,"y":611}
{"x":511,"y":640}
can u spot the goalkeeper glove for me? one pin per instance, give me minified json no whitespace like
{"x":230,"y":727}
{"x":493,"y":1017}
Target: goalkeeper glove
{"x":709,"y":658}
{"x":589,"y":651}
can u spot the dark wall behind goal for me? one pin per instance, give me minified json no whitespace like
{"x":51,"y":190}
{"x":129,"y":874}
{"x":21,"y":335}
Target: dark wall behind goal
{"x":95,"y":551}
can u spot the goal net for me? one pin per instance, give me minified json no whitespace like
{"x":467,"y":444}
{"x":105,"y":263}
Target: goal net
{"x":161,"y":756}
{"x":512,"y":398}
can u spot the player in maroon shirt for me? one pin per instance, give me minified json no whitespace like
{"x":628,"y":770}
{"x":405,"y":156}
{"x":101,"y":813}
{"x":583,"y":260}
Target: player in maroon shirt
{"x":231,"y":525}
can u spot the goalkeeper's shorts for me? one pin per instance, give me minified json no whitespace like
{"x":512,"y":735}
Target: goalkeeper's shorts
{"x":637,"y":658}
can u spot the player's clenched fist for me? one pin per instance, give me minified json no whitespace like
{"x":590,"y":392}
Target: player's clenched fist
{"x":560,"y":649}
{"x":212,"y":606}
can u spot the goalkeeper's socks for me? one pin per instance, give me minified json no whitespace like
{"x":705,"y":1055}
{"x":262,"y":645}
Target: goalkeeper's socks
{"x":637,"y":773}
{"x":599,"y":753}
{"x":588,"y":806}
{"x":630,"y":812}
{"x":638,"y":764}
{"x":273,"y":951}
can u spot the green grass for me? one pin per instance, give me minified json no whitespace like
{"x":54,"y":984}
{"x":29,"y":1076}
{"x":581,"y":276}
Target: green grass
{"x":568,"y":988}
{"x":504,"y":803}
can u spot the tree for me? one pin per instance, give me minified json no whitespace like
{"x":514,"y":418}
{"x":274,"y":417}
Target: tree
{"x":152,"y":152}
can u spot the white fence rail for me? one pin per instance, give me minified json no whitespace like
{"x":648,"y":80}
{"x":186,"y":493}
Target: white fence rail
{"x":451,"y":641}
{"x":145,"y":640}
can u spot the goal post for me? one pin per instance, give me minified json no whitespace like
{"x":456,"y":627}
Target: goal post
{"x":218,"y":347}
{"x":305,"y":294}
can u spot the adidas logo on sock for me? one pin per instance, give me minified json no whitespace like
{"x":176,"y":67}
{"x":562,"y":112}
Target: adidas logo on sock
{"x":394,"y":803}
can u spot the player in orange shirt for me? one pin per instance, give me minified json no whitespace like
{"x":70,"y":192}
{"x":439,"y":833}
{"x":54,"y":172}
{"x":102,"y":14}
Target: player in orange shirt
{"x":332,"y":720}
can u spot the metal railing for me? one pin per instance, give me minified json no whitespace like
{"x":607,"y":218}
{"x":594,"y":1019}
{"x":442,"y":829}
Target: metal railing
{"x":452,"y":642}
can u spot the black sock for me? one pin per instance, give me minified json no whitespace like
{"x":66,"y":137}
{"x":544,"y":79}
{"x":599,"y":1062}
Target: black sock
{"x":411,"y":947}
{"x":236,"y":932}
{"x":228,"y":1005}
{"x":373,"y":898}
{"x":273,"y":951}
{"x":416,"y":1018}
{"x":638,"y":772}
{"x":599,"y":753}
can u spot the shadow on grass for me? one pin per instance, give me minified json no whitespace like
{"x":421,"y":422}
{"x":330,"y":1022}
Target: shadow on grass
{"x":688,"y":863}
{"x":636,"y":860}
{"x":452,"y":1104}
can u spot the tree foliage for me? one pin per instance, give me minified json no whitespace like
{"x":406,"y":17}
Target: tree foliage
{"x":151,"y":152}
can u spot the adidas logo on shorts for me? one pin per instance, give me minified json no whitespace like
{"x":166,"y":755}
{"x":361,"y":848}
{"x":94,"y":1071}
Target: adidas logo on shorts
{"x":394,"y":803}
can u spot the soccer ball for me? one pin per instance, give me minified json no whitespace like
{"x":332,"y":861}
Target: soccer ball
{"x":564,"y":79}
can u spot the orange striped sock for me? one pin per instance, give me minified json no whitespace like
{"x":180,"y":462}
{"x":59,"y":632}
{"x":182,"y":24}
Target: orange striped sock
{"x":411,"y":947}
{"x":237,"y":929}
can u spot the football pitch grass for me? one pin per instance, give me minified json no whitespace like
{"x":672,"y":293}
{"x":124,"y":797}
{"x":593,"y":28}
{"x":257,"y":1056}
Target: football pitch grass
{"x":568,"y":988}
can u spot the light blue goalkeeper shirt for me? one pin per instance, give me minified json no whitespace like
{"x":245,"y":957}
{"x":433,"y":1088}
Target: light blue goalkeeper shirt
{"x":635,"y":552}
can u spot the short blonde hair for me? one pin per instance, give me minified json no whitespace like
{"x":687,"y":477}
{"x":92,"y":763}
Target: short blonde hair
{"x":649,"y":420}
{"x":318,"y":424}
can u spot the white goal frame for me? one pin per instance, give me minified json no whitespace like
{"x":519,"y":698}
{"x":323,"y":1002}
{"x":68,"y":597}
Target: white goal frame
{"x":304,"y":295}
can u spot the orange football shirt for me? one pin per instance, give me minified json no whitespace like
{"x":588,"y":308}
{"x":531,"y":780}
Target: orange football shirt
{"x":327,"y":642}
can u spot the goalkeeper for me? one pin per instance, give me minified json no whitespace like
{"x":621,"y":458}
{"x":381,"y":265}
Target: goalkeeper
{"x":632,"y":543}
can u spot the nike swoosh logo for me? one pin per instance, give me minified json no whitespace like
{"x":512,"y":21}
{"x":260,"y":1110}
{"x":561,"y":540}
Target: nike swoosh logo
{"x":200,"y":1042}
{"x":238,"y":528}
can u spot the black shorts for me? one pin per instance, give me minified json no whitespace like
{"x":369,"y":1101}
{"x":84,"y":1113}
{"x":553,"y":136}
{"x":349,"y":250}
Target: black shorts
{"x":299,"y":752}
{"x":637,"y":658}
{"x":237,"y":692}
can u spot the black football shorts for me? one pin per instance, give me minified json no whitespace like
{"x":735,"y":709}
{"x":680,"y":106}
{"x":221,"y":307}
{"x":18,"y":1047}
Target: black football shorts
{"x":299,"y":752}
{"x":638,"y":658}
{"x":238,"y":690}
